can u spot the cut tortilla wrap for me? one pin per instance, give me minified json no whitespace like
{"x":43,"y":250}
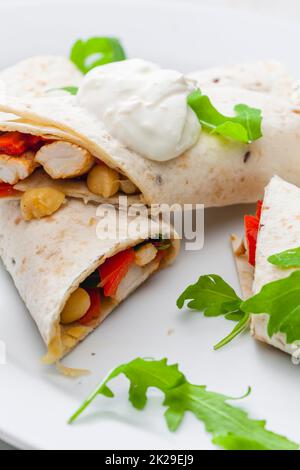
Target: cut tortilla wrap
{"x":268,"y":76}
{"x":244,"y":269}
{"x":74,"y":188}
{"x":37,"y":75}
{"x":71,"y":188}
{"x":49,"y":259}
{"x":215,"y":172}
{"x":279,"y":231}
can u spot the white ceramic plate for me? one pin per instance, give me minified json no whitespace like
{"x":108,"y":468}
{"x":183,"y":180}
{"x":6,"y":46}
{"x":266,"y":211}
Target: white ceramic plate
{"x":35,"y":402}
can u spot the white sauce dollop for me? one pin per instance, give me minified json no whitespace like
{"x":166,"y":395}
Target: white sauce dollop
{"x":143,"y":106}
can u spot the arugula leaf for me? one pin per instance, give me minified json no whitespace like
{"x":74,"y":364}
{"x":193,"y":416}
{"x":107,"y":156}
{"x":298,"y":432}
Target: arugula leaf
{"x":73,"y":90}
{"x":214,"y":297}
{"x":242,"y":325}
{"x":160,"y":243}
{"x":230,"y":426}
{"x":281,"y":301}
{"x":96,"y":51}
{"x":163,"y":245}
{"x":211,"y":295}
{"x":244,"y":127}
{"x":286,"y":259}
{"x":251,"y":119}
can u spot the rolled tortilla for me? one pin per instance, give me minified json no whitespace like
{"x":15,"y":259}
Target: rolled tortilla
{"x":279,"y":231}
{"x":267,"y":76}
{"x":49,"y":259}
{"x":34,"y":77}
{"x":215,"y":172}
{"x":244,"y":268}
{"x":71,"y":188}
{"x":37,"y":75}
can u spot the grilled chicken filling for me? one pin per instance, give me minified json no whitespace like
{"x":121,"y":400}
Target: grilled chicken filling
{"x":14,"y":169}
{"x":21,"y":154}
{"x":64,"y":160}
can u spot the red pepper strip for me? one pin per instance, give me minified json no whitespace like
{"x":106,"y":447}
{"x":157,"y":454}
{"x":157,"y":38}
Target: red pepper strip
{"x":7,"y":190}
{"x":160,"y":255}
{"x":95,"y":308}
{"x":251,"y":223}
{"x":34,"y":142}
{"x":15,"y":143}
{"x":114,"y":269}
{"x":258,"y":209}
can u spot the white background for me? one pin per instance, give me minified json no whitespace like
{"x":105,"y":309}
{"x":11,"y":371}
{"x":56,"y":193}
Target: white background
{"x":272,"y":8}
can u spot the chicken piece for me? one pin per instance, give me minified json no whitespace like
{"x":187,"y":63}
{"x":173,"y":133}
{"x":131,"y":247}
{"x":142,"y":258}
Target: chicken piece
{"x":145,"y":254}
{"x":134,"y":278}
{"x":14,"y":169}
{"x":64,"y":160}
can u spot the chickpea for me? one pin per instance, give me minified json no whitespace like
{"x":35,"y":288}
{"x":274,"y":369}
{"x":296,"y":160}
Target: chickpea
{"x":76,"y":307}
{"x":128,"y":187}
{"x":103,"y":181}
{"x":145,"y":254}
{"x":40,"y":202}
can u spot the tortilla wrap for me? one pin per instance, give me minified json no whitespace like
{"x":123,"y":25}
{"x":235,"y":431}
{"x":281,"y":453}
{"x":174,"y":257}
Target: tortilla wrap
{"x":244,"y":268}
{"x":269,"y":77}
{"x":37,"y":75}
{"x":215,"y":171}
{"x":48,"y":259}
{"x":279,"y":231}
{"x":71,"y":188}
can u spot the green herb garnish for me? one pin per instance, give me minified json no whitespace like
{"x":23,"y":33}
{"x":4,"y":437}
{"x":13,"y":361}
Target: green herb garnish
{"x":160,"y":243}
{"x":280,"y":300}
{"x":161,"y":246}
{"x":230,"y":426}
{"x":286,"y":259}
{"x":73,"y":90}
{"x":96,"y":51}
{"x":241,"y":326}
{"x":244,"y":127}
{"x":214,"y":297}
